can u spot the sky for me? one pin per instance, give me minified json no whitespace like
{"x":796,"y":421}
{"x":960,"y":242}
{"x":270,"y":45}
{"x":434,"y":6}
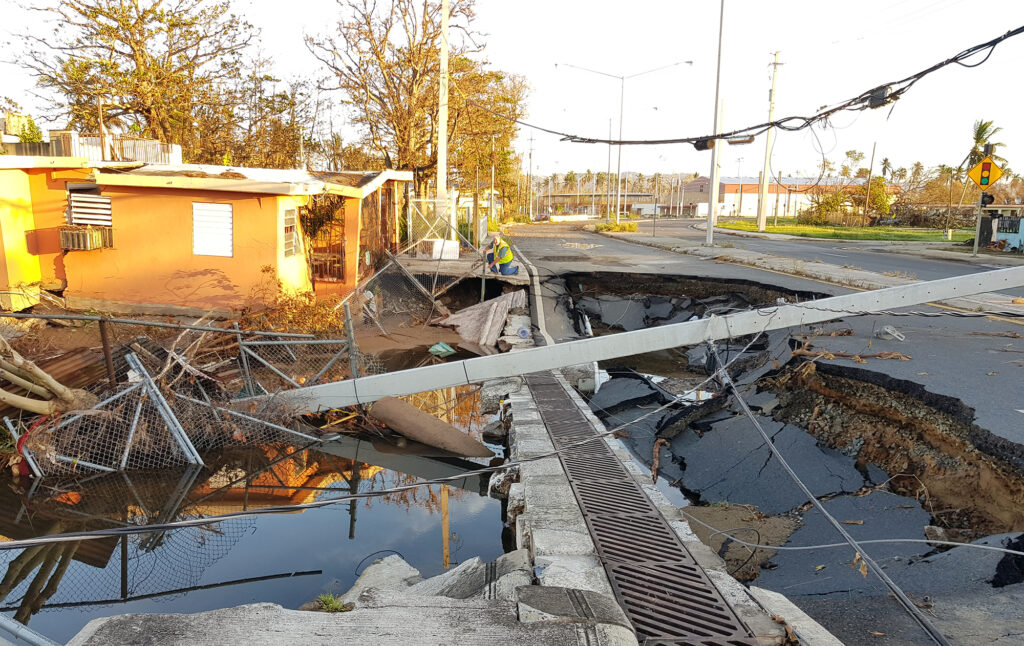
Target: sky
{"x":830,"y":50}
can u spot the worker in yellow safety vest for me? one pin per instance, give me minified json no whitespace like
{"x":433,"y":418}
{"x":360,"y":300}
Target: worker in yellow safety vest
{"x":499,"y":257}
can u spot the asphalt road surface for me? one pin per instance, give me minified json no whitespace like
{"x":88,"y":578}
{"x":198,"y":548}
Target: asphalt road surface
{"x":866,"y":255}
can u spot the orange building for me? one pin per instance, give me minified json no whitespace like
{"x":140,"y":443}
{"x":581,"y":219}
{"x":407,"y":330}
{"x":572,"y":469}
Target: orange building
{"x":186,"y":239}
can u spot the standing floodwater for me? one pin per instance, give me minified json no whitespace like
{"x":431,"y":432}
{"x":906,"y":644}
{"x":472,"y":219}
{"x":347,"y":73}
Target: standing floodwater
{"x":286,"y":559}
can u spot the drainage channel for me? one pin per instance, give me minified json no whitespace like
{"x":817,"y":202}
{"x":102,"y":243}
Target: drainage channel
{"x":667,"y":596}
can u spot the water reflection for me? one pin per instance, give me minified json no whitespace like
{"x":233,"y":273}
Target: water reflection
{"x":285,"y":559}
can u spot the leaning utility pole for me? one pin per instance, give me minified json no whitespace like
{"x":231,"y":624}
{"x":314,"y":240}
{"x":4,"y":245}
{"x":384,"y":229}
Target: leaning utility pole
{"x":490,"y":209}
{"x":762,"y":190}
{"x":715,"y":144}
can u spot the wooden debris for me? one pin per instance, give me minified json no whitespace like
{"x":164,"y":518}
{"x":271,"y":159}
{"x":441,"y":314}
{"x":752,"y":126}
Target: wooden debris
{"x":656,"y":459}
{"x":415,"y":424}
{"x":859,"y":358}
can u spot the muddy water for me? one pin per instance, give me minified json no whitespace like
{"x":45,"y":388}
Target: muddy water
{"x":284,"y":558}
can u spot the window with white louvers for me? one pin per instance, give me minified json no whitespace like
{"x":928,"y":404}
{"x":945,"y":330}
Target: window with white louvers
{"x":291,"y":233}
{"x":211,"y":229}
{"x":89,"y":209}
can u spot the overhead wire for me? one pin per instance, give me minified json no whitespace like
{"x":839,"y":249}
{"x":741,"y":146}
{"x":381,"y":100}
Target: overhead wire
{"x":877,"y":96}
{"x":824,"y":546}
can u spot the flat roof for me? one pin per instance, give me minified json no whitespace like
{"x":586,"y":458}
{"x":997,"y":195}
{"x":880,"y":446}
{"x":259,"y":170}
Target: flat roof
{"x":242,"y":179}
{"x":28,"y":161}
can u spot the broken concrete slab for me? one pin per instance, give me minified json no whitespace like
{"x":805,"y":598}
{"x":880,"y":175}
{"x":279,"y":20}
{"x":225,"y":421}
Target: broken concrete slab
{"x":580,"y":572}
{"x":474,"y":578}
{"x":482,"y":324}
{"x":806,"y":629}
{"x":410,"y":621}
{"x":388,"y":573}
{"x":560,"y":605}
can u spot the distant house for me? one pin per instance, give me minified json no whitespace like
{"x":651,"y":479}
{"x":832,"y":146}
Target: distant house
{"x":185,"y":239}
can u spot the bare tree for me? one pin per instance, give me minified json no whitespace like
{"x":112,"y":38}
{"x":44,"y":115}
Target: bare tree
{"x":384,"y":57}
{"x":141,"y":66}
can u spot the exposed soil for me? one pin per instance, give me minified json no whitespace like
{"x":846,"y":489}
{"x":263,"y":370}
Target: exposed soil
{"x":964,"y":476}
{"x":746,"y":523}
{"x":695,"y":287}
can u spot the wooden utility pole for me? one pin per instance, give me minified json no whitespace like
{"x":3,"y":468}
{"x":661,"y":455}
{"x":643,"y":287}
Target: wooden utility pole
{"x":867,"y":189}
{"x":762,"y":190}
{"x":442,"y":120}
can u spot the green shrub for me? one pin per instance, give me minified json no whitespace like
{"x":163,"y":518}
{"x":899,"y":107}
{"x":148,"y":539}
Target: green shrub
{"x":330,"y":603}
{"x":621,"y":227}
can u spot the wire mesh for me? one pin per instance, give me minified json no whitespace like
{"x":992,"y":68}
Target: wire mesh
{"x":432,"y":233}
{"x":128,"y":431}
{"x":392,"y":296}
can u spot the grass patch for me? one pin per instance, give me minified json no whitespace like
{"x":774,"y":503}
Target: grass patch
{"x":621,"y":227}
{"x":849,"y":233}
{"x":330,"y":603}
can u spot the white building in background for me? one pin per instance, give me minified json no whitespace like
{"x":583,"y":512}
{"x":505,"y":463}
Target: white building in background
{"x":738,"y":195}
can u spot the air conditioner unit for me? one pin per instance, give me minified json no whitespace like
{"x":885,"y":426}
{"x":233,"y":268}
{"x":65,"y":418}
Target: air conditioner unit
{"x":81,"y":238}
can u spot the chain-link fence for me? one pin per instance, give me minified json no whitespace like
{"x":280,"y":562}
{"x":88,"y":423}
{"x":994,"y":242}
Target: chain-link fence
{"x":437,"y":233}
{"x":165,"y":396}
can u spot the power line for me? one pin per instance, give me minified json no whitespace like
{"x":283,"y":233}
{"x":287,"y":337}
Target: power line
{"x":875,"y":97}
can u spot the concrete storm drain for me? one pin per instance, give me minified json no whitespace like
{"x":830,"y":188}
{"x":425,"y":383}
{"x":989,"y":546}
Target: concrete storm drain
{"x":666,"y":595}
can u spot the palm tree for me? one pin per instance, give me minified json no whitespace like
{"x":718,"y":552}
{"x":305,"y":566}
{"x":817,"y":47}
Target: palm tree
{"x":886,"y":167}
{"x":982,"y":134}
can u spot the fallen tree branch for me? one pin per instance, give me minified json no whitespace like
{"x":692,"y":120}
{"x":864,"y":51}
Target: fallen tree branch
{"x":859,"y":358}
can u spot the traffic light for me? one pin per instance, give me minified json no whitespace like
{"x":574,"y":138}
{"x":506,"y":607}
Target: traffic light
{"x":704,"y":143}
{"x":986,"y":198}
{"x":986,"y":171}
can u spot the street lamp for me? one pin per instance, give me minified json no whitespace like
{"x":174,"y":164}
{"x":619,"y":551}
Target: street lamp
{"x":622,"y":101}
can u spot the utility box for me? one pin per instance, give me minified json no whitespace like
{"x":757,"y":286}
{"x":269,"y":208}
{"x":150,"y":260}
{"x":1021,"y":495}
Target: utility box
{"x":438,"y":249}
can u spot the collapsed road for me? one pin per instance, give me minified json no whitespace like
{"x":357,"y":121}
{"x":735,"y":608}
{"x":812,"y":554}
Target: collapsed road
{"x":883,"y":452}
{"x":915,"y":435}
{"x":915,"y":361}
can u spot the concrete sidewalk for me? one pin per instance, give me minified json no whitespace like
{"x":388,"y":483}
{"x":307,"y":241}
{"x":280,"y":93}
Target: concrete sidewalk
{"x":933,"y":250}
{"x":845,"y":276}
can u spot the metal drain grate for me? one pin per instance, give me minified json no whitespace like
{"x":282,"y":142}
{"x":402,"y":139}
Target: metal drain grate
{"x":666,"y":595}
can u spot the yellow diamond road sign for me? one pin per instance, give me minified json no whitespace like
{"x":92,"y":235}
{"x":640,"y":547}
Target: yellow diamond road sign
{"x":986,"y":173}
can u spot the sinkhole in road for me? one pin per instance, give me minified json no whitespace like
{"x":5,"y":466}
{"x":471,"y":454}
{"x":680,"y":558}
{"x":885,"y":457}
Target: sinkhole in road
{"x":894,"y":458}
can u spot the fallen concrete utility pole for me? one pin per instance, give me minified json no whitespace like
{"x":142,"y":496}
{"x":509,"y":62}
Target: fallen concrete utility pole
{"x":406,"y":382}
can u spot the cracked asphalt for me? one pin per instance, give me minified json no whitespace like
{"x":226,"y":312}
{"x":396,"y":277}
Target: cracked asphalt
{"x":978,"y":361}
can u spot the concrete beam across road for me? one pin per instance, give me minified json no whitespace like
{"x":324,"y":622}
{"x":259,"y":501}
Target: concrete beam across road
{"x":406,"y":382}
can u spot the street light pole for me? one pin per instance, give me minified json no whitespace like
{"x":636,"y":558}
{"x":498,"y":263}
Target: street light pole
{"x":618,"y":166}
{"x":713,"y":175}
{"x":622,"y":102}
